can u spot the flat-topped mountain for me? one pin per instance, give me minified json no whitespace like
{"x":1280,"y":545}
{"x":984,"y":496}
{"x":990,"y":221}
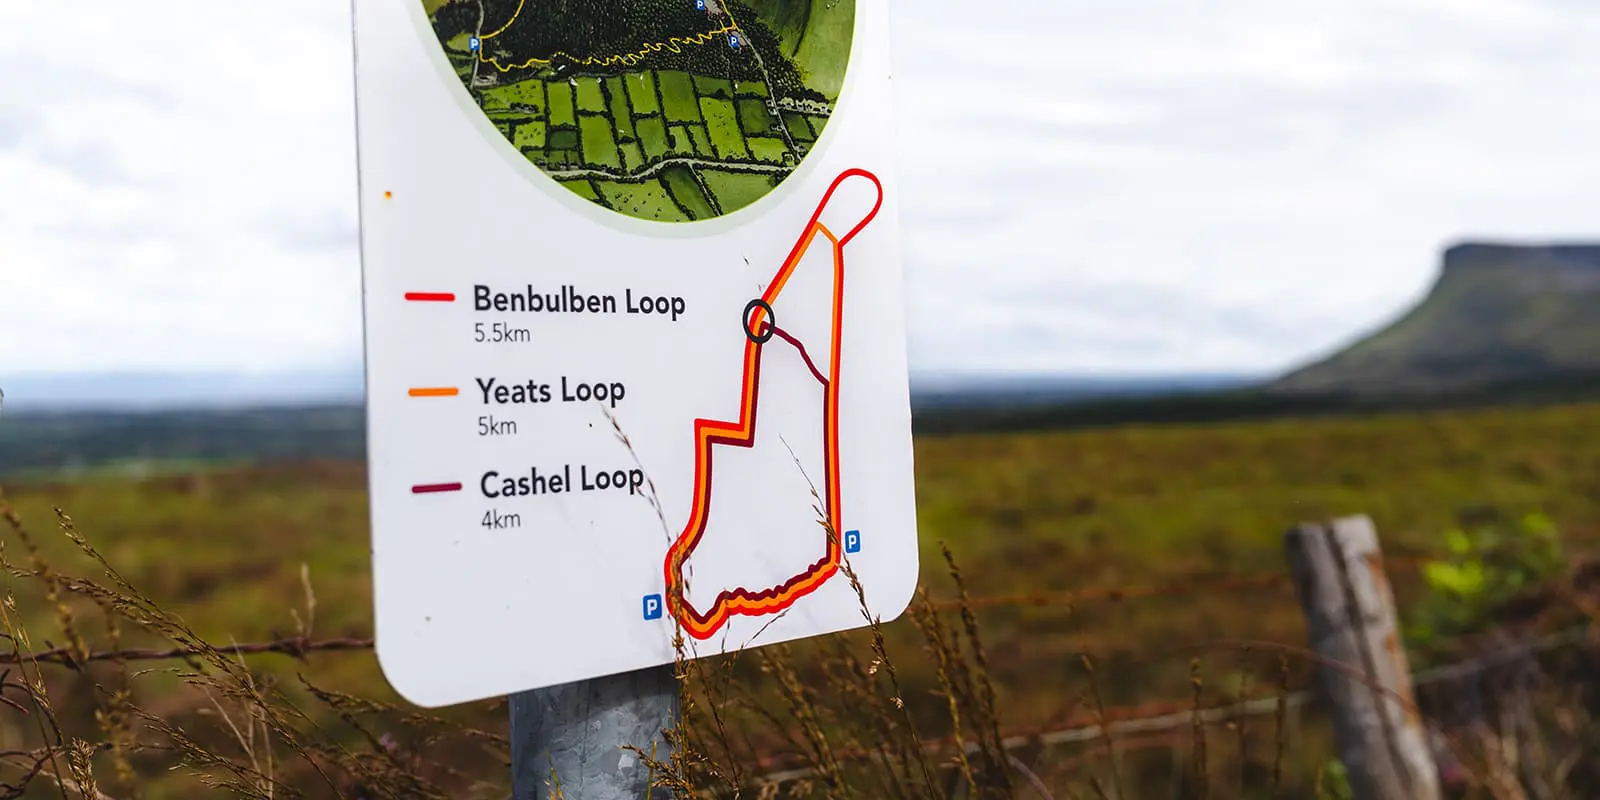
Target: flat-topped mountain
{"x":1498,"y":313}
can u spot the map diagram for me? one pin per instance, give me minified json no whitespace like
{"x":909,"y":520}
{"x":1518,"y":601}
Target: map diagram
{"x":796,"y":548}
{"x":667,"y":110}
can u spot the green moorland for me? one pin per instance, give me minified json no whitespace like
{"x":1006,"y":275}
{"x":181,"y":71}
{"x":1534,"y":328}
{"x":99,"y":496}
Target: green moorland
{"x":1023,"y":513}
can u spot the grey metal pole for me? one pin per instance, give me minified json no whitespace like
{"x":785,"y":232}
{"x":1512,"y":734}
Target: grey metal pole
{"x":573,"y":737}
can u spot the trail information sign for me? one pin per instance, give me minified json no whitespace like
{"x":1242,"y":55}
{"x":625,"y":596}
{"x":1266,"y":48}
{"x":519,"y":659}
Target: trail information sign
{"x":634,"y":332}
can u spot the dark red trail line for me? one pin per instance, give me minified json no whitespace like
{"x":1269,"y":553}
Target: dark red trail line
{"x":815,"y":373}
{"x":435,"y":488}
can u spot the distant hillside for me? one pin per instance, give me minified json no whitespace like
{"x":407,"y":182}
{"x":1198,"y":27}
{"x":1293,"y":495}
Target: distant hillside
{"x":66,"y":423}
{"x":50,"y":442}
{"x":134,"y":391}
{"x":1497,"y":314}
{"x":957,"y":392}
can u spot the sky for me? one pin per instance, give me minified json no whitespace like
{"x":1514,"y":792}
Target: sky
{"x":1144,"y":186}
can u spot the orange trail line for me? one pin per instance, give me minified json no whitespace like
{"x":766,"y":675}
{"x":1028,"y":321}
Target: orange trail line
{"x":708,"y":433}
{"x":440,"y":391}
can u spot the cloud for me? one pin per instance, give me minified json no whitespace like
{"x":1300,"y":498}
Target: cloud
{"x":165,"y":173}
{"x":1236,"y":186}
{"x":302,"y":234}
{"x":1146,"y":185}
{"x":12,"y":126}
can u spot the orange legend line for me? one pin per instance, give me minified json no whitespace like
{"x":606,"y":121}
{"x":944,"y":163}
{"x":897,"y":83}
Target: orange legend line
{"x":435,"y":391}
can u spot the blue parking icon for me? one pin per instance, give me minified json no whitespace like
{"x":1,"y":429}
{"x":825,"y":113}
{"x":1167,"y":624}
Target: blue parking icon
{"x":700,"y":5}
{"x":733,"y":40}
{"x":652,"y":607}
{"x":473,"y":44}
{"x":852,"y":541}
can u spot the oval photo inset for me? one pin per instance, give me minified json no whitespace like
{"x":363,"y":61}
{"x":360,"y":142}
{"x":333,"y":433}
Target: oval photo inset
{"x":666,"y":110}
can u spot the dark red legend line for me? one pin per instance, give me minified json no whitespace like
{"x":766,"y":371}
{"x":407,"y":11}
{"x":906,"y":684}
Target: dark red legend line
{"x":431,"y":297}
{"x":435,"y":488}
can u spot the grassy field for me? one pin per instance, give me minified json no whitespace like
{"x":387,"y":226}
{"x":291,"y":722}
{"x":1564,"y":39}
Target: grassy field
{"x":1023,"y":513}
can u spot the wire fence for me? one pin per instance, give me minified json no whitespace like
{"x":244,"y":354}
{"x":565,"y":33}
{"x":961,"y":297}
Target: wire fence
{"x":299,"y":647}
{"x":1123,"y":724}
{"x":1262,"y":706}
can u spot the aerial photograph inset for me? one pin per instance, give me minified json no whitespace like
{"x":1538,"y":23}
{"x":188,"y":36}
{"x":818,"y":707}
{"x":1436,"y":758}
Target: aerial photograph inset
{"x":667,"y":110}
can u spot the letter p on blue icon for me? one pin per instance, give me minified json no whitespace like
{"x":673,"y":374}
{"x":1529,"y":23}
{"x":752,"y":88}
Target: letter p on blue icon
{"x":473,"y":44}
{"x":652,"y":607}
{"x":852,"y":541}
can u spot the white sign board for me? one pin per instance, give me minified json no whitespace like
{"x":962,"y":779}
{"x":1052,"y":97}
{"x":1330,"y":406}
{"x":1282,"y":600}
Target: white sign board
{"x":634,"y":331}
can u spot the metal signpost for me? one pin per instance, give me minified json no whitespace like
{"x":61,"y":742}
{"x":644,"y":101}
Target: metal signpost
{"x":635,"y":348}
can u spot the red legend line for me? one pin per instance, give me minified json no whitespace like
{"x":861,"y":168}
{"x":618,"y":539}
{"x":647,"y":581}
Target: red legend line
{"x":435,"y":488}
{"x":431,"y":297}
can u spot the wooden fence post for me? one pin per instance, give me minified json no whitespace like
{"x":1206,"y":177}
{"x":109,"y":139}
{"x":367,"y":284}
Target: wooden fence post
{"x":1338,"y":573}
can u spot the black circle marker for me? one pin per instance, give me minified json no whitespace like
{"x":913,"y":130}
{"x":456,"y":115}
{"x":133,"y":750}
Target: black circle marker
{"x":772,"y":320}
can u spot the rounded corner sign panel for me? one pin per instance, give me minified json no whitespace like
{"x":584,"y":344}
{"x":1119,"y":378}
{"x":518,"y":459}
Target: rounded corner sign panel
{"x":635,"y":333}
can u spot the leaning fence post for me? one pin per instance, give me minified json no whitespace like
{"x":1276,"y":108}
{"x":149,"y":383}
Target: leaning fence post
{"x":1338,"y":574}
{"x":572,"y":741}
